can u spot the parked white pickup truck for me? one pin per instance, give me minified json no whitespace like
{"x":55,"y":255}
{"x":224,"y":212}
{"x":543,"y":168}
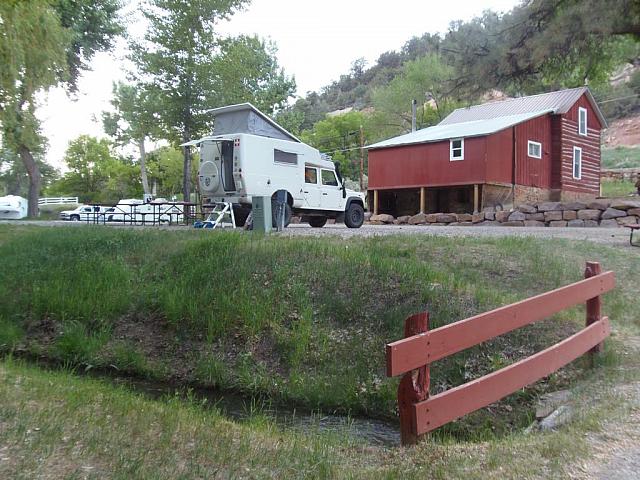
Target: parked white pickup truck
{"x":83,"y":213}
{"x":234,"y":167}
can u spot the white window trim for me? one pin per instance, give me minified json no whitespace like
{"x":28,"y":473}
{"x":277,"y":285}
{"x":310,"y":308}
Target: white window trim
{"x":573,"y":164}
{"x":451,"y":157}
{"x":586,"y":128}
{"x":531,"y":142}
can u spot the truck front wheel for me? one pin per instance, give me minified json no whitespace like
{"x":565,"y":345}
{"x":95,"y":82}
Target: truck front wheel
{"x":317,"y":222}
{"x":354,"y":216}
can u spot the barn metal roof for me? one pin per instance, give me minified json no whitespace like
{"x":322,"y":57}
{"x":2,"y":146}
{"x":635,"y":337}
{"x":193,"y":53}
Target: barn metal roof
{"x":475,"y":128}
{"x":559,"y":102}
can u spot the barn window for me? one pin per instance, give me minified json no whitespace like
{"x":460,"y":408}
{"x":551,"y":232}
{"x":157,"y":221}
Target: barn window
{"x":285,"y":157}
{"x":456,"y":149}
{"x":582,"y":121}
{"x":577,"y":163}
{"x":535,"y":149}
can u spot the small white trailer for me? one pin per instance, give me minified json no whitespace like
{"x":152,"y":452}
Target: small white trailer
{"x":251,"y":155}
{"x":13,"y":207}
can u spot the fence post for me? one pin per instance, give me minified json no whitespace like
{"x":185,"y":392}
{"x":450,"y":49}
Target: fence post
{"x":414,"y":386}
{"x":594,"y":305}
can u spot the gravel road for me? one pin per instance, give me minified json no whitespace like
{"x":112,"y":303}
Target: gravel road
{"x":611,"y":236}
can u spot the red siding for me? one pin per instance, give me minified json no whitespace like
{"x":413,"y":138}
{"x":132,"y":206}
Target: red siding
{"x":427,"y":165}
{"x":556,"y":151}
{"x":500,"y":157}
{"x":530,"y":171}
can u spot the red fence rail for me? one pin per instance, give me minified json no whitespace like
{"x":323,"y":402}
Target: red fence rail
{"x":412,"y":356}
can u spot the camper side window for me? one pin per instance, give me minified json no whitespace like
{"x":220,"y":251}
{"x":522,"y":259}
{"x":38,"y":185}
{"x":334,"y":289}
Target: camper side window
{"x":285,"y":157}
{"x":310,"y":175}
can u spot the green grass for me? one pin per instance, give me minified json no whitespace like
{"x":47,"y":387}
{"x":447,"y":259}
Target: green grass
{"x":617,"y":188}
{"x":297,"y":320}
{"x":621,"y":157}
{"x":307,"y":325}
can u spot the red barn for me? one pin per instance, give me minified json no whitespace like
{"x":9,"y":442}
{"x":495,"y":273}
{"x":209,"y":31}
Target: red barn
{"x":520,"y":150}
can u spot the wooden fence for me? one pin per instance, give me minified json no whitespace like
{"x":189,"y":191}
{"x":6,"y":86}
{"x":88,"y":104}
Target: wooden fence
{"x":412,"y":356}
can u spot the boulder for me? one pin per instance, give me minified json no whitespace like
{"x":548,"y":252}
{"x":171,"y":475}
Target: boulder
{"x":489,"y":209}
{"x":478,"y":217}
{"x":591,"y":223}
{"x":489,"y":223}
{"x":502,"y":216}
{"x":551,"y":216}
{"x":533,"y":223}
{"x":517,"y":217}
{"x":465,"y":224}
{"x":613,"y":213}
{"x":569,"y":215}
{"x":589,"y":214}
{"x":437,"y":224}
{"x":515,"y":223}
{"x":634,"y":211}
{"x":630,"y":220}
{"x":610,"y":223}
{"x":402,"y":219}
{"x":559,"y":417}
{"x":367,"y":216}
{"x":549,"y":207}
{"x":383,"y":218}
{"x":375,"y":222}
{"x":539,"y":217}
{"x":600,"y":204}
{"x":575,"y":223}
{"x":490,"y":215}
{"x":432,"y":217}
{"x":452,"y":224}
{"x":558,"y":223}
{"x":447,"y":218}
{"x":418,"y":219}
{"x":527,"y":209}
{"x":465,"y":217}
{"x":625,"y":204}
{"x":573,"y":205}
{"x":548,"y":402}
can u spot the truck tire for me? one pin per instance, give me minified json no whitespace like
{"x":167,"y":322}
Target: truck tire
{"x":354,"y":216}
{"x":317,"y":222}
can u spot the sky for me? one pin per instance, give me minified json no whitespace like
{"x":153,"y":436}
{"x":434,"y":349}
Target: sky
{"x":317,"y":42}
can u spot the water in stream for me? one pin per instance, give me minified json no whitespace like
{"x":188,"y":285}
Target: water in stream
{"x":367,"y":430}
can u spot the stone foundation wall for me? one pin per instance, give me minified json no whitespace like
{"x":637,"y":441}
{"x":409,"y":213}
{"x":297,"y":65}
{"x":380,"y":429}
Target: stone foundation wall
{"x":533,"y":195}
{"x":596,"y":213}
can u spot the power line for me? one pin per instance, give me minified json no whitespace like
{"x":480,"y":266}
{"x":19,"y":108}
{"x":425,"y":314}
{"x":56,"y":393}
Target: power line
{"x":620,"y":98}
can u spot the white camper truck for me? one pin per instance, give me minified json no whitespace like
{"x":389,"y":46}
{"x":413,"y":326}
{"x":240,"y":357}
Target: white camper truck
{"x":251,"y":155}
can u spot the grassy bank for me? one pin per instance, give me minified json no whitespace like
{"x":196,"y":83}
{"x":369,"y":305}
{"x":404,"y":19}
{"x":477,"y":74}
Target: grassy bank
{"x":297,"y":320}
{"x":617,"y":188}
{"x":621,"y":157}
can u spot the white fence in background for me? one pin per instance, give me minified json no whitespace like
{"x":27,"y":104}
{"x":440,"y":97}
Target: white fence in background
{"x":58,"y":200}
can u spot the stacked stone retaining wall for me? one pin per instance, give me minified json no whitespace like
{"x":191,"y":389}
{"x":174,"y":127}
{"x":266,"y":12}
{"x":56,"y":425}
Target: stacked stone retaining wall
{"x":597,"y":213}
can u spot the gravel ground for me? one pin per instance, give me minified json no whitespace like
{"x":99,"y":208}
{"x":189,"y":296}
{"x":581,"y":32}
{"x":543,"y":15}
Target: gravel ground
{"x":611,"y":236}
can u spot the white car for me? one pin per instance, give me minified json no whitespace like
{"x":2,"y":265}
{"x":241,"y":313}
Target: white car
{"x":136,"y":211}
{"x":85,"y":213}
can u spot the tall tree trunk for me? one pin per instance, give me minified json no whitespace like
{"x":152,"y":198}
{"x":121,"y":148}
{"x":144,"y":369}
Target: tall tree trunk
{"x":186,"y":180}
{"x":35,"y":179}
{"x":143,"y":168}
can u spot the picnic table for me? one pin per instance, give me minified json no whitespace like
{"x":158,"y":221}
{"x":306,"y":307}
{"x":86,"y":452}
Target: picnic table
{"x":632,"y":228}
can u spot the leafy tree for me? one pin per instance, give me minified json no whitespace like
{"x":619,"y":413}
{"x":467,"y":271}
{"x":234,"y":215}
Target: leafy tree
{"x":43,"y":44}
{"x":541,"y":44}
{"x":192,"y":69}
{"x":339,"y":136}
{"x":424,"y":80}
{"x":133,"y":120}
{"x":14,"y":178}
{"x":95,"y":174}
{"x":165,"y":171}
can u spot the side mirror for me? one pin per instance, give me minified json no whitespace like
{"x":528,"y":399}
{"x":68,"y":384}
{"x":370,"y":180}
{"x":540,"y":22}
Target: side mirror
{"x":344,"y":190}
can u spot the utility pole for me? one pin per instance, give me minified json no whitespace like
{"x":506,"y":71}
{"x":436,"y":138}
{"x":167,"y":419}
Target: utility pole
{"x":361,"y":158}
{"x":414,"y":112}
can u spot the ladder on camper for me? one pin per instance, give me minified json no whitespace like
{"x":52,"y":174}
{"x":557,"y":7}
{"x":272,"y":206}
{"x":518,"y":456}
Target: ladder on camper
{"x":220,"y":217}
